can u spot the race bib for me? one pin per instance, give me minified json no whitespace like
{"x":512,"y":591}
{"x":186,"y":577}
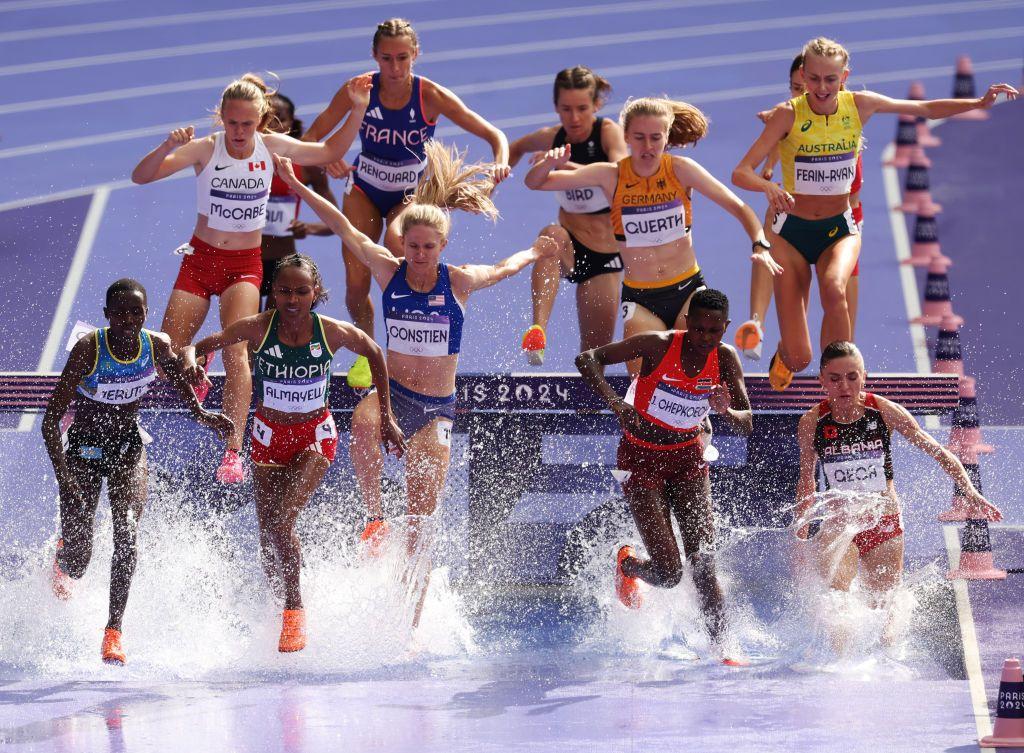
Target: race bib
{"x":261,"y":432}
{"x":121,"y":393}
{"x":444,"y":433}
{"x":418,"y":334}
{"x":582,"y":200}
{"x":389,"y":175}
{"x":677,"y":407}
{"x":865,"y":473}
{"x":654,"y":225}
{"x":281,"y":212}
{"x":295,"y":395}
{"x":326,"y":429}
{"x":824,"y":175}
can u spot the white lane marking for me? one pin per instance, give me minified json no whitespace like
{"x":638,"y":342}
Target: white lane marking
{"x":330,"y":35}
{"x":36,"y":4}
{"x":55,"y":337}
{"x":176,"y":19}
{"x":522,"y":121}
{"x":969,"y":638}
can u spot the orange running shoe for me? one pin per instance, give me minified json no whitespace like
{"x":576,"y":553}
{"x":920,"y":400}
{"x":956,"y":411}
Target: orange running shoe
{"x":534,"y":343}
{"x":627,"y":588}
{"x":60,"y":582}
{"x":735,"y":662}
{"x":779,"y":375}
{"x":111,"y":651}
{"x":375,"y":536}
{"x":750,"y":338}
{"x":293,"y":631}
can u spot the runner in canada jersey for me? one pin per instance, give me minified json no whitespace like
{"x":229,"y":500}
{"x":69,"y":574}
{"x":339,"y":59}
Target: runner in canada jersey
{"x":847,"y":438}
{"x":664,"y":452}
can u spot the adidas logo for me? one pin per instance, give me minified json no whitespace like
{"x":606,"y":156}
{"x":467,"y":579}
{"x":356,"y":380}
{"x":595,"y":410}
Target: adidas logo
{"x":274,"y":352}
{"x":374,"y":112}
{"x":614,"y":263}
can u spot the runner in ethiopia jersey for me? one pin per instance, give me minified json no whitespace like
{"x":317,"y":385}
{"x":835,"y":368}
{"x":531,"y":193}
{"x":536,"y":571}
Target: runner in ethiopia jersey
{"x":106,"y":376}
{"x":424,"y":302}
{"x":283,"y":226}
{"x":233,"y":170}
{"x":649,"y":192}
{"x":664,"y":453}
{"x":819,"y":137}
{"x":293,"y":433}
{"x":848,"y":436}
{"x":588,"y":256}
{"x":400,"y":120}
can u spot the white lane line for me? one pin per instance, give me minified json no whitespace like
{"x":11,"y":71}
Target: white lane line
{"x":36,"y":4}
{"x":529,"y":81}
{"x":292,"y":74}
{"x":55,"y":338}
{"x":523,"y":121}
{"x":329,"y":35}
{"x":123,"y":24}
{"x":518,"y":48}
{"x":969,"y":638}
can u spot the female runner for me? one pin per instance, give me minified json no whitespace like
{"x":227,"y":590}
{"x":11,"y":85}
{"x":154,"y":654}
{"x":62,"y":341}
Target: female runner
{"x":750,"y":334}
{"x":283,"y":226}
{"x":820,"y":135}
{"x":403,"y":111}
{"x":424,"y":303}
{"x":293,"y":433}
{"x":106,"y":376}
{"x":649,"y":193}
{"x":684,"y":375}
{"x":587,"y":255}
{"x":233,"y":175}
{"x":848,"y":434}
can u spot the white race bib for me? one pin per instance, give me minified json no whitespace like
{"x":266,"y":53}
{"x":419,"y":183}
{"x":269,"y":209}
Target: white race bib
{"x":654,"y":225}
{"x":582,"y":200}
{"x":121,"y":393}
{"x":281,"y":211}
{"x":326,"y":429}
{"x":390,"y":175}
{"x":678,"y":408}
{"x":261,"y":432}
{"x":824,"y":175}
{"x":295,"y":395}
{"x":863,"y":474}
{"x":418,"y":334}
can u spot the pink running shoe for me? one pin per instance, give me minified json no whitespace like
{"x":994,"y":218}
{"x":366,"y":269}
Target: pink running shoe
{"x":231,"y":470}
{"x":203,"y":388}
{"x":60,"y":582}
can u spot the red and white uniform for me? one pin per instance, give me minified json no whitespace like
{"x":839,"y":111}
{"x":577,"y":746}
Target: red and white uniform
{"x":282,"y":206}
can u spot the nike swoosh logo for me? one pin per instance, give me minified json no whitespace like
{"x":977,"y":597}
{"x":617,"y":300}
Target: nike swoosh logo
{"x":632,"y":185}
{"x":219,"y":168}
{"x":404,"y":295}
{"x":674,"y":381}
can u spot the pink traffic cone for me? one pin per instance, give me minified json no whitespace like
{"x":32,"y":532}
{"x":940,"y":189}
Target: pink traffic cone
{"x":924,"y":134}
{"x":975,"y":554}
{"x":937,"y":303}
{"x":917,"y":196}
{"x":906,"y":141}
{"x":965,"y":435}
{"x":963,"y":88}
{"x":1009,"y":729}
{"x":926,"y":241}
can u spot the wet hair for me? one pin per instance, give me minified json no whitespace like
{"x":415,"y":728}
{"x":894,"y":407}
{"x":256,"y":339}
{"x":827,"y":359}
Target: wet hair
{"x":686,"y":124}
{"x":581,"y":77}
{"x":393,"y":28}
{"x":449,"y":183}
{"x":710,"y":299}
{"x":296,"y":129}
{"x":796,"y":65}
{"x":249,"y":88}
{"x":839,"y":349}
{"x":826,"y":48}
{"x":124,"y":285}
{"x":304,"y":262}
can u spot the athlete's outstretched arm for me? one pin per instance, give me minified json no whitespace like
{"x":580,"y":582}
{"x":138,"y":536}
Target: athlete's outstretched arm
{"x":538,"y":141}
{"x":177,"y":152}
{"x":691,"y":173}
{"x":551,"y":174}
{"x":806,"y":485}
{"x":453,"y":108}
{"x":472,"y":277}
{"x":746,"y":174}
{"x":170,"y":364}
{"x":250,"y":328}
{"x":730,"y":399}
{"x":381,"y":262}
{"x":79,"y":363}
{"x":330,"y":117}
{"x":332,"y":150}
{"x":899,"y":419}
{"x":868,"y":103}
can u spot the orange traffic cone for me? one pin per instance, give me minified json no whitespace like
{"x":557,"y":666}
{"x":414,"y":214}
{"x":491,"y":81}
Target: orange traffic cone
{"x":926,"y":241}
{"x":917,"y":196}
{"x":937,"y":303}
{"x":1009,"y":730}
{"x":924,"y":134}
{"x":975,"y":554}
{"x":906,"y":141}
{"x":965,"y":435}
{"x":963,"y":88}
